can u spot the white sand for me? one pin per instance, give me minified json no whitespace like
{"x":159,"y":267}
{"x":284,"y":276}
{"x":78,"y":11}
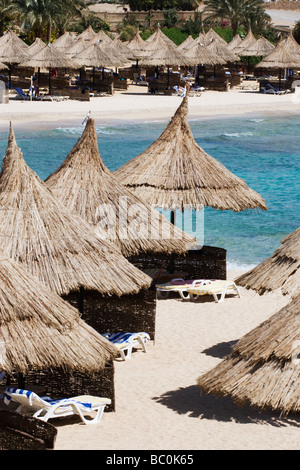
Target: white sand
{"x":137,"y":104}
{"x":158,"y":406}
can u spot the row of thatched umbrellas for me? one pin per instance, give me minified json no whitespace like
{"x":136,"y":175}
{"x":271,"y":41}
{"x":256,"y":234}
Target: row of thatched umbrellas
{"x":54,"y":252}
{"x":92,"y":49}
{"x":56,"y":246}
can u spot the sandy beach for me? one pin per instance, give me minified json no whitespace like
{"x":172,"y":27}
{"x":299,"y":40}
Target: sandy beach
{"x":136,"y":104}
{"x":158,"y":405}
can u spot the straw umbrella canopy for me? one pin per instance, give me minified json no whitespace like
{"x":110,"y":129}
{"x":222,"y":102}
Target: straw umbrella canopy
{"x":87,"y":34}
{"x":124,"y":49}
{"x":157,"y":36}
{"x":263,"y":368}
{"x":261,"y":47}
{"x":201,"y":39}
{"x":138,"y":46}
{"x":201,"y":55}
{"x":101,"y":36}
{"x":168,"y":56}
{"x":85,"y":186}
{"x":247,"y":42}
{"x":36,"y":47}
{"x":57,"y":247}
{"x":235,"y":42}
{"x":280,"y":58}
{"x":279,"y":271}
{"x":221,"y":50}
{"x":49,"y":57}
{"x":186,"y":44}
{"x":65,"y":42}
{"x":39,"y":330}
{"x":175,"y":172}
{"x":99,"y":55}
{"x":11,"y":53}
{"x":11,"y":36}
{"x":211,"y":35}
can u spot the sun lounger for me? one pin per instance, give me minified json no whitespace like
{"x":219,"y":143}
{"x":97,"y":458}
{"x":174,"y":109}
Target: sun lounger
{"x":125,"y":342}
{"x":271,"y":89}
{"x":181,"y":286}
{"x":45,"y":408}
{"x":216,"y":288}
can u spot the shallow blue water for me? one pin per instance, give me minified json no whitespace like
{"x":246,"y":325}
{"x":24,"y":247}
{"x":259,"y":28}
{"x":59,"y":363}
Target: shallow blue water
{"x":265,"y":152}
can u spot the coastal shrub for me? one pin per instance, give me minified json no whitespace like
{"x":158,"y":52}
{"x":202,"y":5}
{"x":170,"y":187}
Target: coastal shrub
{"x":175,"y":34}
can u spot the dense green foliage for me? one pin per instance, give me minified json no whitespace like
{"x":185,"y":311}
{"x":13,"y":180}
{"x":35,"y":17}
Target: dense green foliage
{"x":239,"y":13}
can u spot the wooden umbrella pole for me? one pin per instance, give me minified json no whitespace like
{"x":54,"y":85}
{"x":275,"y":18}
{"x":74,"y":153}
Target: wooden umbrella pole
{"x":172,"y":261}
{"x":80,"y":299}
{"x":50,"y":81}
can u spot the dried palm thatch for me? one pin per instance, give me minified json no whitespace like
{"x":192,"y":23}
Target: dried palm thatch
{"x":221,"y":50}
{"x":201,"y":39}
{"x":39,"y":330}
{"x":211,"y":35}
{"x":261,"y":47}
{"x":175,"y":172}
{"x":11,"y":52}
{"x":11,"y":36}
{"x":166,"y":55}
{"x":158,"y":37}
{"x":200,"y":54}
{"x":236,"y":41}
{"x":98,"y":55}
{"x":49,"y":57}
{"x":281,"y":57}
{"x":279,"y":271}
{"x":263,"y":368}
{"x":87,"y":34}
{"x":36,"y":47}
{"x":102,"y":37}
{"x":85,"y":186}
{"x":186,"y":44}
{"x":124,"y":49}
{"x":291,"y":44}
{"x":65,"y":42}
{"x":138,"y":46}
{"x":57,"y":247}
{"x":249,"y":41}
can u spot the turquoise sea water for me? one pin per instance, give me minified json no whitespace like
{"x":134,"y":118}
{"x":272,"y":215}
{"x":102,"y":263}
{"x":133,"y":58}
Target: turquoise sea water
{"x":265,"y":152}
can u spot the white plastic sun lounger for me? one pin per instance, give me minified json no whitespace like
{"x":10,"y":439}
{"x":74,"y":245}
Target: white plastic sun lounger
{"x":125,"y":342}
{"x":216,"y":288}
{"x":181,"y":286}
{"x":45,"y":408}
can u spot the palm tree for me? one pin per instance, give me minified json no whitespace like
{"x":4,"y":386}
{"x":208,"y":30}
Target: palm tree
{"x":41,"y":14}
{"x":238,"y":12}
{"x":5,"y":15}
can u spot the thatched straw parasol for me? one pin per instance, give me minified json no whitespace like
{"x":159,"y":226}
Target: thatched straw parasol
{"x":158,"y":37}
{"x":168,"y":56}
{"x":12,"y":53}
{"x":221,"y":50}
{"x":85,"y":186}
{"x":279,"y":271}
{"x":87,"y":34}
{"x":36,"y":47}
{"x":261,"y":47}
{"x":186,"y":44}
{"x":281,"y":57}
{"x":65,"y":42}
{"x":99,"y":55}
{"x":138,"y":46}
{"x":49,"y":57}
{"x":211,"y":35}
{"x":201,"y":55}
{"x":101,"y":36}
{"x":235,"y":42}
{"x":39,"y":330}
{"x":247,"y":42}
{"x":263,"y":368}
{"x":175,"y":172}
{"x":11,"y":36}
{"x":56,"y":246}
